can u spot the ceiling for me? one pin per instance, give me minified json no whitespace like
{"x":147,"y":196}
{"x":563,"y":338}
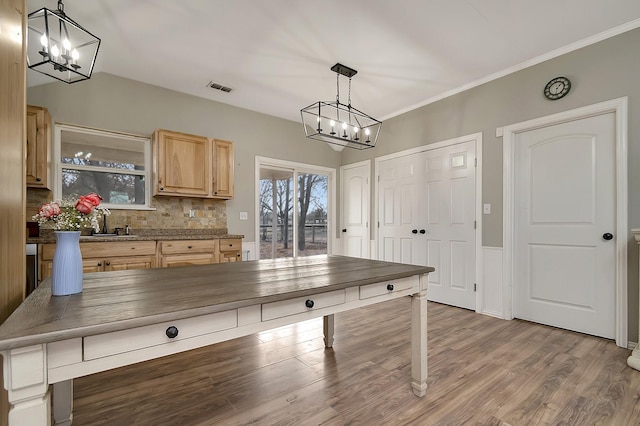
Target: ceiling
{"x":276,"y":55}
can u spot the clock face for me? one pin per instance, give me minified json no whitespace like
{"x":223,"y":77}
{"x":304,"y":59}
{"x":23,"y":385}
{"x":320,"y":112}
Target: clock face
{"x":557,"y":88}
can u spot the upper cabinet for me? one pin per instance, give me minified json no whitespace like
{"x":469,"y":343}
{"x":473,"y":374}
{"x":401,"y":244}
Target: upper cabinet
{"x":192,"y":166}
{"x":38,"y":143}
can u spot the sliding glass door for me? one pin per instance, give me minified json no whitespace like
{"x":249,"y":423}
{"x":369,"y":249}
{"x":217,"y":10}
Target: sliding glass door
{"x":293,"y":210}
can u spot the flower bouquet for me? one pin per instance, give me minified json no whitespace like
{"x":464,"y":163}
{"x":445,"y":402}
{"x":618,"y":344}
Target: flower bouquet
{"x":68,"y":217}
{"x":72,"y":214}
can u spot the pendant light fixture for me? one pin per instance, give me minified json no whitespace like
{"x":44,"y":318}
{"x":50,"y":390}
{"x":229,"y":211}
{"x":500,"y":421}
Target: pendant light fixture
{"x":340,"y":124}
{"x":59,"y":47}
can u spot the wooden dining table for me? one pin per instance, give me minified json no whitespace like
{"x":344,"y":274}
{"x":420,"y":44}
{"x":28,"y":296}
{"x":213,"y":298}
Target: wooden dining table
{"x":125,"y":317}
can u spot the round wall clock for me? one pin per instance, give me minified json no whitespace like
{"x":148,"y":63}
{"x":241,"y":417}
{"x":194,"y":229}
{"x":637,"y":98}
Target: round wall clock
{"x":557,"y":88}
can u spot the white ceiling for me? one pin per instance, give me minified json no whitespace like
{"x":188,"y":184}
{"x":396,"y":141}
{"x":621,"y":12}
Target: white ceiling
{"x":276,"y":55}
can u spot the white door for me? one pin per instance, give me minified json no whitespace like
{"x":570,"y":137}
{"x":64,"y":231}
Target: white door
{"x":564,"y":218}
{"x":400,"y":211}
{"x":355,"y":209}
{"x":449,"y":186}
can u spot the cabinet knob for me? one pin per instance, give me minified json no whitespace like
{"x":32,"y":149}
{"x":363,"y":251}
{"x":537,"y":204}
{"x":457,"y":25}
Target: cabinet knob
{"x":107,"y":263}
{"x":99,"y":263}
{"x":38,"y":180}
{"x":189,"y":247}
{"x":414,"y":231}
{"x":161,"y":188}
{"x":390,"y":287}
{"x":309,"y":303}
{"x":172,"y":332}
{"x":422,"y":231}
{"x":215,"y":193}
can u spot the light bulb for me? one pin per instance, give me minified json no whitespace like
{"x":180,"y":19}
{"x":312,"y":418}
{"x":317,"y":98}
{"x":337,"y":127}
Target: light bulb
{"x":355,"y":129}
{"x":55,"y":51}
{"x":366,"y":132}
{"x":66,"y":44}
{"x":74,"y":54}
{"x":44,"y":41}
{"x":332,"y":123}
{"x":344,"y":126}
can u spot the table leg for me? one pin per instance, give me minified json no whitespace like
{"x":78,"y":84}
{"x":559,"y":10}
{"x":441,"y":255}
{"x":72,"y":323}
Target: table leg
{"x":328,"y":331}
{"x":63,"y":403}
{"x":419,"y":341}
{"x":25,"y":378}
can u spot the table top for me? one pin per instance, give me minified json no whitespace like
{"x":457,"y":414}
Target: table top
{"x":119,"y":300}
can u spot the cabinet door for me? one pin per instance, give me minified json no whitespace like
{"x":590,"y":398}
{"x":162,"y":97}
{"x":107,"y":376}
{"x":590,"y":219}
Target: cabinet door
{"x":223,"y":169}
{"x":37,"y":167}
{"x":128,"y":263}
{"x":181,"y":164}
{"x":187,"y":260}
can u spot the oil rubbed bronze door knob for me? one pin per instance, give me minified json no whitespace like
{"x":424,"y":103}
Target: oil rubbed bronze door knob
{"x":607,"y":236}
{"x":390,"y":287}
{"x":172,"y":332}
{"x":309,"y":303}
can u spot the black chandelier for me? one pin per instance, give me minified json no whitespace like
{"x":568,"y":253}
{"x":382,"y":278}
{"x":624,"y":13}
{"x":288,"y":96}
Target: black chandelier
{"x":340,"y":124}
{"x":59,"y":47}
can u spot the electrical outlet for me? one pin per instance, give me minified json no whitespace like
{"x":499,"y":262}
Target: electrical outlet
{"x":487,"y":209}
{"x":244,"y":216}
{"x":192,"y":213}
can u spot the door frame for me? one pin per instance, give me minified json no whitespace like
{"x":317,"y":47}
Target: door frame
{"x":617,"y":106}
{"x":474,"y":137}
{"x":296,"y":168}
{"x":367,"y":214}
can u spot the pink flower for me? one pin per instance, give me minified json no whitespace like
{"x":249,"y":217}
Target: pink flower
{"x":92,"y":198}
{"x":84,"y":206}
{"x":49,"y":210}
{"x":88,"y":202}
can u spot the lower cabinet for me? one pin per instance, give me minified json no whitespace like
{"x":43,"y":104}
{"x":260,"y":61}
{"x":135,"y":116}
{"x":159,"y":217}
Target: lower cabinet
{"x":187,"y":252}
{"x":107,"y":256}
{"x":123,"y":255}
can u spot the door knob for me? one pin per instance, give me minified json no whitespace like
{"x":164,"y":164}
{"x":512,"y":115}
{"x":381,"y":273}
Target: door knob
{"x":607,"y":236}
{"x":422,"y":231}
{"x":344,"y":229}
{"x":415,"y":231}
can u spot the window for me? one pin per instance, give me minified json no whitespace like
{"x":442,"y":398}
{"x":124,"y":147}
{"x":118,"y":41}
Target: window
{"x":114,"y":165}
{"x":295,"y":209}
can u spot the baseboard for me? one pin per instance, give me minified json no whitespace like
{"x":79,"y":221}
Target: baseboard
{"x":631,"y":345}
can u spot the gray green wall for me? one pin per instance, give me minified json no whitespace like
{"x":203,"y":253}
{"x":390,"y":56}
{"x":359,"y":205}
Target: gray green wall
{"x":606,"y":70}
{"x":603,"y":71}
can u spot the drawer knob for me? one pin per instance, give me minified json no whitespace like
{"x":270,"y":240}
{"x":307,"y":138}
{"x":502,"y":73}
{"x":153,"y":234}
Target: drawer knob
{"x":172,"y":332}
{"x":190,"y":247}
{"x":309,"y":303}
{"x":390,"y":287}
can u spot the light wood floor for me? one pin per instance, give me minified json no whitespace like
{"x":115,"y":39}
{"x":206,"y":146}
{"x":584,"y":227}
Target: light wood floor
{"x":482,"y":371}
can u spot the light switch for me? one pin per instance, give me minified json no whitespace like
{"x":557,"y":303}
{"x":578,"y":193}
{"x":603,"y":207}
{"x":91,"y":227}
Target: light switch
{"x":244,"y":216}
{"x":487,"y":209}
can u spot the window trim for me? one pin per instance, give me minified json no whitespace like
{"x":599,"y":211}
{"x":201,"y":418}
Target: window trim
{"x":57,"y":164}
{"x":297,"y":168}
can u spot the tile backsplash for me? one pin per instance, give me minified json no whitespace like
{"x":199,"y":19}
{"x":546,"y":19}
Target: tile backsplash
{"x":169,"y":213}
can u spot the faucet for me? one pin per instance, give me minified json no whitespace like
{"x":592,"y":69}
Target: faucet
{"x":105,"y":230}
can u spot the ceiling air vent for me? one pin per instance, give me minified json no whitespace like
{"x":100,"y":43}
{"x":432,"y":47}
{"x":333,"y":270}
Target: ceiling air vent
{"x":219,"y":87}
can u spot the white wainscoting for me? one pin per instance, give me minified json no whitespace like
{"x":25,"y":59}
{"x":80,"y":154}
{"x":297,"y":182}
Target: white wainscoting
{"x":492,"y":282}
{"x":249,"y":250}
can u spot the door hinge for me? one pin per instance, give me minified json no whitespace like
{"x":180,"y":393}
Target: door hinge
{"x":476,"y":162}
{"x":475,"y":287}
{"x":378,"y":224}
{"x":475,"y":224}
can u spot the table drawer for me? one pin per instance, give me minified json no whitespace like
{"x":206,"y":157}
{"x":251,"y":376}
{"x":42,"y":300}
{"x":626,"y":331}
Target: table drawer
{"x":153,"y":335}
{"x":187,"y":246}
{"x":378,"y":289}
{"x":301,"y":304}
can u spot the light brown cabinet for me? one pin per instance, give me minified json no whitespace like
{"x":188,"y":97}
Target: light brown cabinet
{"x":230,"y":250}
{"x":107,"y":256}
{"x":192,"y":166}
{"x":187,"y":252}
{"x":38,"y":147}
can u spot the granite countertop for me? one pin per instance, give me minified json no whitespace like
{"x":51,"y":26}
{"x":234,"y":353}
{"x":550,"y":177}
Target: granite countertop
{"x":47,"y":236}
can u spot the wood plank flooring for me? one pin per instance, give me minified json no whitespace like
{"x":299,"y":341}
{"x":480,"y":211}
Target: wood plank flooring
{"x":482,"y":371}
